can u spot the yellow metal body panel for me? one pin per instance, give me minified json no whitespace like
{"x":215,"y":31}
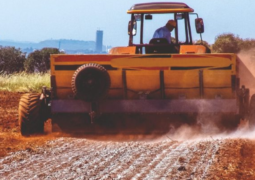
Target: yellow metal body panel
{"x":197,"y":49}
{"x":123,"y":50}
{"x":217,"y":83}
{"x":179,"y":83}
{"x":175,"y":60}
{"x":182,"y":75}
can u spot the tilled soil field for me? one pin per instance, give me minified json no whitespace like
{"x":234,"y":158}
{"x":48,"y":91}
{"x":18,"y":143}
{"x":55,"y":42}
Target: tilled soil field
{"x":168,"y":156}
{"x":8,"y":111}
{"x":74,"y":158}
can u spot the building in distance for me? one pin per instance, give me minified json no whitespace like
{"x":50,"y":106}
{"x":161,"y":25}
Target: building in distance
{"x":99,"y":41}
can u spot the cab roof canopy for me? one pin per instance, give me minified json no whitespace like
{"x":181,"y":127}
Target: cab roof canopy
{"x":159,"y":7}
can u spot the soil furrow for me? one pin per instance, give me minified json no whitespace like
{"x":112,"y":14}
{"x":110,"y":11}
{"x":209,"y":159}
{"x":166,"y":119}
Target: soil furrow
{"x":170,"y":157}
{"x":147,"y":154}
{"x":179,"y":168}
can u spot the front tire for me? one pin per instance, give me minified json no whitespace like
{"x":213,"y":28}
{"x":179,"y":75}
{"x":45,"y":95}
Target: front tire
{"x":30,"y":114}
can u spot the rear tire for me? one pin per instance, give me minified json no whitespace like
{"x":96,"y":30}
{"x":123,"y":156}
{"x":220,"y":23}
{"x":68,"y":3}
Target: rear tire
{"x":30,"y":114}
{"x":90,"y":82}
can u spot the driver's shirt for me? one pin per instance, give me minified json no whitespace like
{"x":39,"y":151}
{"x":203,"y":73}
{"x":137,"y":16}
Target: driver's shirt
{"x":163,"y":32}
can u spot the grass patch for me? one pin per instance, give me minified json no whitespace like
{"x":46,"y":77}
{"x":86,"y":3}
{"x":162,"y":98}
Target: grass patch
{"x":24,"y":82}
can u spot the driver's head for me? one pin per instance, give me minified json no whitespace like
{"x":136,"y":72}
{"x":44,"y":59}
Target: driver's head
{"x":171,"y":24}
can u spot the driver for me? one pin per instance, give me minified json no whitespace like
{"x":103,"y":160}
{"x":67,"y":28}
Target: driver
{"x":165,"y":31}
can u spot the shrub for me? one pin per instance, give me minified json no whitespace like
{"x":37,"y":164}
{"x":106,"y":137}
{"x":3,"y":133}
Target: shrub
{"x":226,"y":43}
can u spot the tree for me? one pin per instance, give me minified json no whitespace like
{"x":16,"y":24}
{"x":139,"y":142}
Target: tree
{"x":39,"y":60}
{"x":226,"y":43}
{"x":11,"y":60}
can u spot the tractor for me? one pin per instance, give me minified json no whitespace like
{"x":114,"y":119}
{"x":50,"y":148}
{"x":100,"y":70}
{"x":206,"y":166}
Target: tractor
{"x":147,"y":83}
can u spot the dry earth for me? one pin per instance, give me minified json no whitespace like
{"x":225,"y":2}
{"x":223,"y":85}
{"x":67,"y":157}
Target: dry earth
{"x":59,"y":156}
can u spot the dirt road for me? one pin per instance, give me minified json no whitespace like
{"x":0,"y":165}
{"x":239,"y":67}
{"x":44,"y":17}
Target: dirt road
{"x":185,"y":155}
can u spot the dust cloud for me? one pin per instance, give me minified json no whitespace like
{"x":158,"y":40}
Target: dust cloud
{"x":207,"y":127}
{"x":248,"y":58}
{"x":210,"y":130}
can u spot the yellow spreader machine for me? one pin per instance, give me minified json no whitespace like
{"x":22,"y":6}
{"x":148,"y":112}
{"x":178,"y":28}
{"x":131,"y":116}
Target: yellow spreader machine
{"x":151,"y":77}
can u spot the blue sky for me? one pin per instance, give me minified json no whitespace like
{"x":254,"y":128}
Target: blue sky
{"x":34,"y":20}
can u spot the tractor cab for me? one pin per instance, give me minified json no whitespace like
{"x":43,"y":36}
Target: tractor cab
{"x":146,"y":18}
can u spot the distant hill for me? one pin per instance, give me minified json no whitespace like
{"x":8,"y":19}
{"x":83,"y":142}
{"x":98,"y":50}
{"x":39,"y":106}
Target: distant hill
{"x":21,"y":45}
{"x":72,"y":46}
{"x":68,"y":44}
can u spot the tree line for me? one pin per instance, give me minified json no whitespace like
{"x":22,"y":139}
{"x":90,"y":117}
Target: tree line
{"x":14,"y":60}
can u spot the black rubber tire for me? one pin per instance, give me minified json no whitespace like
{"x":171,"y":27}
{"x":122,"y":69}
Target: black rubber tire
{"x":252,"y":112}
{"x":90,"y":82}
{"x":30,"y":114}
